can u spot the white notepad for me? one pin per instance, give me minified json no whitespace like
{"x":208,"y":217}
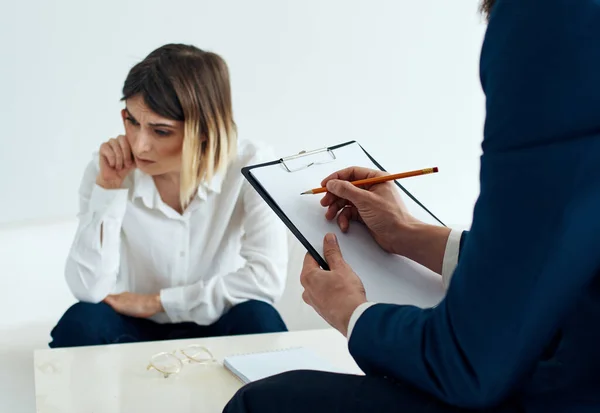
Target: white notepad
{"x":387,"y":278}
{"x":256,"y":366}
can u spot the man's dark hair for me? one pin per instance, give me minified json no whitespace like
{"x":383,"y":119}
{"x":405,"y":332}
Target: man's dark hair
{"x":486,"y":7}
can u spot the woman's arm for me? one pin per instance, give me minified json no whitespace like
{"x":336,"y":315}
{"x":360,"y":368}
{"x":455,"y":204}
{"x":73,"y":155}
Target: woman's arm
{"x":93,"y":262}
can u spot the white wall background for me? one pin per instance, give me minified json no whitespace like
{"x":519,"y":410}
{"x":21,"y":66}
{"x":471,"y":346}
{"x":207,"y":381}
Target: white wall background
{"x":399,"y":76}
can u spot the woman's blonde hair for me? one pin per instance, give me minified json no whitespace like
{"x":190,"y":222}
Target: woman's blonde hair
{"x":184,"y":83}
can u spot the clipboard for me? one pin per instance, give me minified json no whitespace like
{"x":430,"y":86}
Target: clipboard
{"x":416,"y":284}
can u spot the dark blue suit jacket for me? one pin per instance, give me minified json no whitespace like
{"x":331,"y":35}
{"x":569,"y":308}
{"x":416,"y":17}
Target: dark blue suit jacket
{"x":521,"y":319}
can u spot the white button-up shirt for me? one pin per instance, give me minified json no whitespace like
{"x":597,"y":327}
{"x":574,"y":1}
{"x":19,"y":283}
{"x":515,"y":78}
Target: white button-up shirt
{"x":227,"y":247}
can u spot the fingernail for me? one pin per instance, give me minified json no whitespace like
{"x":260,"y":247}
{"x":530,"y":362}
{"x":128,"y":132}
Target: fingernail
{"x":331,"y":239}
{"x":330,"y":185}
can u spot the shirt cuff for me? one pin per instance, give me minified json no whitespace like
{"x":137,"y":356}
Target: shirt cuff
{"x":356,"y":315}
{"x":172,"y":300}
{"x":111,"y":203}
{"x":451,"y":256}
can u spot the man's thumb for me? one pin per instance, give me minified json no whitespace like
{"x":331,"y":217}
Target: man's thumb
{"x":346,"y":190}
{"x":333,"y":254}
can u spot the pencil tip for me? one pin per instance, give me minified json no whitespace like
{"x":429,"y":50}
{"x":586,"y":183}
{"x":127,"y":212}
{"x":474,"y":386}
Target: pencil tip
{"x":305,"y":193}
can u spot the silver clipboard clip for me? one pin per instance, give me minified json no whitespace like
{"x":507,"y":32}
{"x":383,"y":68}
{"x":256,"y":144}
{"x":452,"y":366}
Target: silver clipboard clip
{"x":307,"y":153}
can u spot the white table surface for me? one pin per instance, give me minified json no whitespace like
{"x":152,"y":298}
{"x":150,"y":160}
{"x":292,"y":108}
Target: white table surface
{"x":114,"y":378}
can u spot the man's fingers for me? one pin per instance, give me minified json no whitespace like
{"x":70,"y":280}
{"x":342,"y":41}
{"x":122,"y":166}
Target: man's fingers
{"x":353,"y":173}
{"x":349,"y":174}
{"x":344,"y":219}
{"x":308,"y":267}
{"x":309,"y":263}
{"x":334,"y":208}
{"x":306,"y":298}
{"x":328,"y":199}
{"x":331,"y":250}
{"x":335,"y":175}
{"x":345,"y":190}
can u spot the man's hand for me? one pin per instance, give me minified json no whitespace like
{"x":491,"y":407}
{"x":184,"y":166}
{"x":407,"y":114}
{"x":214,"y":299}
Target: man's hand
{"x":135,"y":305}
{"x":381,"y":209}
{"x":333,"y":294}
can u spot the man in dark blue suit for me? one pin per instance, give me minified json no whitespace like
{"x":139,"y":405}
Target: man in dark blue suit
{"x":519,"y":329}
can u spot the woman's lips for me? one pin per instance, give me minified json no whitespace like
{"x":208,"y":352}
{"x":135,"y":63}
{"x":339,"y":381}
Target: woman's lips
{"x":143,"y":161}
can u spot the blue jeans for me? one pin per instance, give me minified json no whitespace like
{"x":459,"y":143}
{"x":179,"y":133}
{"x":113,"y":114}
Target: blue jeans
{"x":86,"y":324}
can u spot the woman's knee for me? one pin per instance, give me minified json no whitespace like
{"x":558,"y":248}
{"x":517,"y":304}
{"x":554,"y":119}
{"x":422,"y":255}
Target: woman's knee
{"x":253,"y":317}
{"x":83,"y":324}
{"x":257,"y":311}
{"x":85,"y":314}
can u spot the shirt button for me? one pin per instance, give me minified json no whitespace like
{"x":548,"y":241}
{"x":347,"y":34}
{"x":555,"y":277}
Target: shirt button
{"x":182,"y":254}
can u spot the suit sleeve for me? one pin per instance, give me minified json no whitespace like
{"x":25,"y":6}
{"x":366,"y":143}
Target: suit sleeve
{"x":524,"y":263}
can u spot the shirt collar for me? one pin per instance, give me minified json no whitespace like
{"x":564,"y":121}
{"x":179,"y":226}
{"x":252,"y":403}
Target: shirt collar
{"x":214,"y":186}
{"x":145,"y":188}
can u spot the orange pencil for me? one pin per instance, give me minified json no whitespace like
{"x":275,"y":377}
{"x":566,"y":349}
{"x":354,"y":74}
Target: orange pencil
{"x":378,"y":180}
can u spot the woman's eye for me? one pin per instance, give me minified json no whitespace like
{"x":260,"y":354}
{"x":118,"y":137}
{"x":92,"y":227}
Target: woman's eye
{"x":162,"y":133}
{"x":132,"y":121}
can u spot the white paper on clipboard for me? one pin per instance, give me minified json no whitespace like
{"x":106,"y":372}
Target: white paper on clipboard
{"x":387,"y":278}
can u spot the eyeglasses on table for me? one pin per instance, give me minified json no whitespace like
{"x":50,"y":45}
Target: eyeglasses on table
{"x":169,"y":363}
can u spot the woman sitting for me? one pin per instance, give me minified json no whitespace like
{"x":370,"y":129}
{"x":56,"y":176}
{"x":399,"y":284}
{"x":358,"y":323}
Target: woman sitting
{"x":172,"y":241}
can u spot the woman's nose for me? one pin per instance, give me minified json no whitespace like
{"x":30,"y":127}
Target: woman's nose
{"x":141,"y":142}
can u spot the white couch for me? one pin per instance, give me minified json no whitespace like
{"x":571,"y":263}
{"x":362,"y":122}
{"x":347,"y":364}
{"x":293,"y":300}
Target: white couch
{"x":34,"y":295}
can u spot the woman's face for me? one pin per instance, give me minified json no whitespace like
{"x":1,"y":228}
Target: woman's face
{"x":155,"y":141}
